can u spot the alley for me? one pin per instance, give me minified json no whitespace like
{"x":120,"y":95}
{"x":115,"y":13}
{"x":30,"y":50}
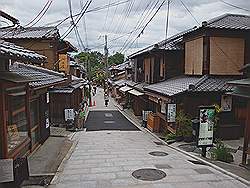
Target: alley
{"x":107,"y":158}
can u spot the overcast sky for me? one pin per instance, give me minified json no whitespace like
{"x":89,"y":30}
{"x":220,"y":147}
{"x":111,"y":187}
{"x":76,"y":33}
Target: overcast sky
{"x":117,"y":21}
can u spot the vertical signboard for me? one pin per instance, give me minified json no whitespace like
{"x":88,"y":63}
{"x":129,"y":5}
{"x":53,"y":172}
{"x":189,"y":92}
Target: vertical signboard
{"x":163,"y":107}
{"x":69,"y":114}
{"x":64,"y":63}
{"x":171,"y":114}
{"x":226,"y":103}
{"x":207,"y":116}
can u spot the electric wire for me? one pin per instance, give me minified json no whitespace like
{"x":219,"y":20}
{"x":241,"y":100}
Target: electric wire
{"x":30,"y":22}
{"x":234,"y":6}
{"x":185,"y":6}
{"x":158,"y":9}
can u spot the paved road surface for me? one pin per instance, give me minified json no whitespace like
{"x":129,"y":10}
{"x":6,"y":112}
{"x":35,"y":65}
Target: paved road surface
{"x":108,"y":120}
{"x":107,"y":159}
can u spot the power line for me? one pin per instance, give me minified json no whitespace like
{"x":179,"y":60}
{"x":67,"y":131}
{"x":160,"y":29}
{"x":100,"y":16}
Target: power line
{"x":83,"y":11}
{"x":167,"y":20}
{"x":146,"y":24}
{"x":104,"y":26}
{"x":78,"y":37}
{"x":141,"y":20}
{"x":38,"y":14}
{"x":59,"y":22}
{"x":235,"y":6}
{"x":44,"y":12}
{"x":190,"y":12}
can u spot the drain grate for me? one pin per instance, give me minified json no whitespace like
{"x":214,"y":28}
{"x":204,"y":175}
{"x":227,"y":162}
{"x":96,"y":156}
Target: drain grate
{"x":158,"y":153}
{"x":163,"y":166}
{"x":159,"y":143}
{"x":197,"y":162}
{"x":203,"y":171}
{"x":149,"y":174}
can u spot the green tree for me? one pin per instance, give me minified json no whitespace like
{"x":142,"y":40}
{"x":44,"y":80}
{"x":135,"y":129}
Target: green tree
{"x":95,"y":60}
{"x":116,"y":59}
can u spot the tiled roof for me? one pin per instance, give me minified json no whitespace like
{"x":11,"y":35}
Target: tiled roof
{"x":11,"y":50}
{"x":120,"y":83}
{"x":242,"y":82}
{"x":40,"y":76}
{"x":120,"y":67}
{"x":192,"y":84}
{"x":70,"y":87}
{"x":230,"y":21}
{"x":173,"y":86}
{"x":140,"y":86}
{"x":172,"y":43}
{"x":29,"y":32}
{"x":213,"y":84}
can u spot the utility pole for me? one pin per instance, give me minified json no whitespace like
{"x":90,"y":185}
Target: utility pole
{"x":105,"y":60}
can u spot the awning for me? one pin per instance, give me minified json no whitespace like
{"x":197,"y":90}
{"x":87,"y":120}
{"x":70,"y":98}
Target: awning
{"x":135,"y":92}
{"x":125,"y":89}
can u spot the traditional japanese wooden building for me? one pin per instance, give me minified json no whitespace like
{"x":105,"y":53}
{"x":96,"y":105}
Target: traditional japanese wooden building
{"x":43,"y":40}
{"x":68,"y":96}
{"x":211,"y":56}
{"x":24,"y":100}
{"x":242,"y":92}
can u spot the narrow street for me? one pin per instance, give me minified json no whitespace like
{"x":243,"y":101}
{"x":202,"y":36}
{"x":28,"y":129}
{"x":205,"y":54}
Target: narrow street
{"x":112,"y":148}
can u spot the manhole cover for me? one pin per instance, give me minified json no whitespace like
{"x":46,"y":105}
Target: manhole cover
{"x":149,"y":174}
{"x":158,"y":153}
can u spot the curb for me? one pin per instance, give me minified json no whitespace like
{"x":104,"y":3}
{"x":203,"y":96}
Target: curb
{"x":242,"y":180}
{"x":61,"y":166}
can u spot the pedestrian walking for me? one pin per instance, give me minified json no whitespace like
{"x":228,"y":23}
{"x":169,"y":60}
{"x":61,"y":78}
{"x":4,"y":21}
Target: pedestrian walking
{"x":106,"y":99}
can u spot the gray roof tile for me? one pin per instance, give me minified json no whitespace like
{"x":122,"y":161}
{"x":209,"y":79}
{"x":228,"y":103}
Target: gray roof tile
{"x":230,"y":21}
{"x":173,"y":86}
{"x":29,"y":32}
{"x":13,"y":51}
{"x":40,"y":76}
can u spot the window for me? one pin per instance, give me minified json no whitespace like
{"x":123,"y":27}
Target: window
{"x":17,"y":120}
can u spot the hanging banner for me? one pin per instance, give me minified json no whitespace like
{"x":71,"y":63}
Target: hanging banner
{"x":207,"y":116}
{"x":226,"y":103}
{"x":171,"y":113}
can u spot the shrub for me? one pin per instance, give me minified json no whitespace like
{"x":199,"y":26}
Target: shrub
{"x":221,"y":153}
{"x":170,"y":136}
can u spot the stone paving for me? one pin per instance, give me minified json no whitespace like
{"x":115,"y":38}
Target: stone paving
{"x":106,"y":159}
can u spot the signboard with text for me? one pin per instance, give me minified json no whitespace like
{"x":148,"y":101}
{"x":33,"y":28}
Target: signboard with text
{"x":207,"y":117}
{"x":226,"y":103}
{"x":171,"y":114}
{"x":69,"y":114}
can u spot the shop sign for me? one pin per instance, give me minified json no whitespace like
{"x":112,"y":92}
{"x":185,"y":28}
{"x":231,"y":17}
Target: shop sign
{"x":207,"y":115}
{"x":63,"y":62}
{"x":226,"y":103}
{"x":6,"y":170}
{"x":69,"y":114}
{"x":47,"y":123}
{"x":171,"y":113}
{"x":163,"y":107}
{"x":47,"y":97}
